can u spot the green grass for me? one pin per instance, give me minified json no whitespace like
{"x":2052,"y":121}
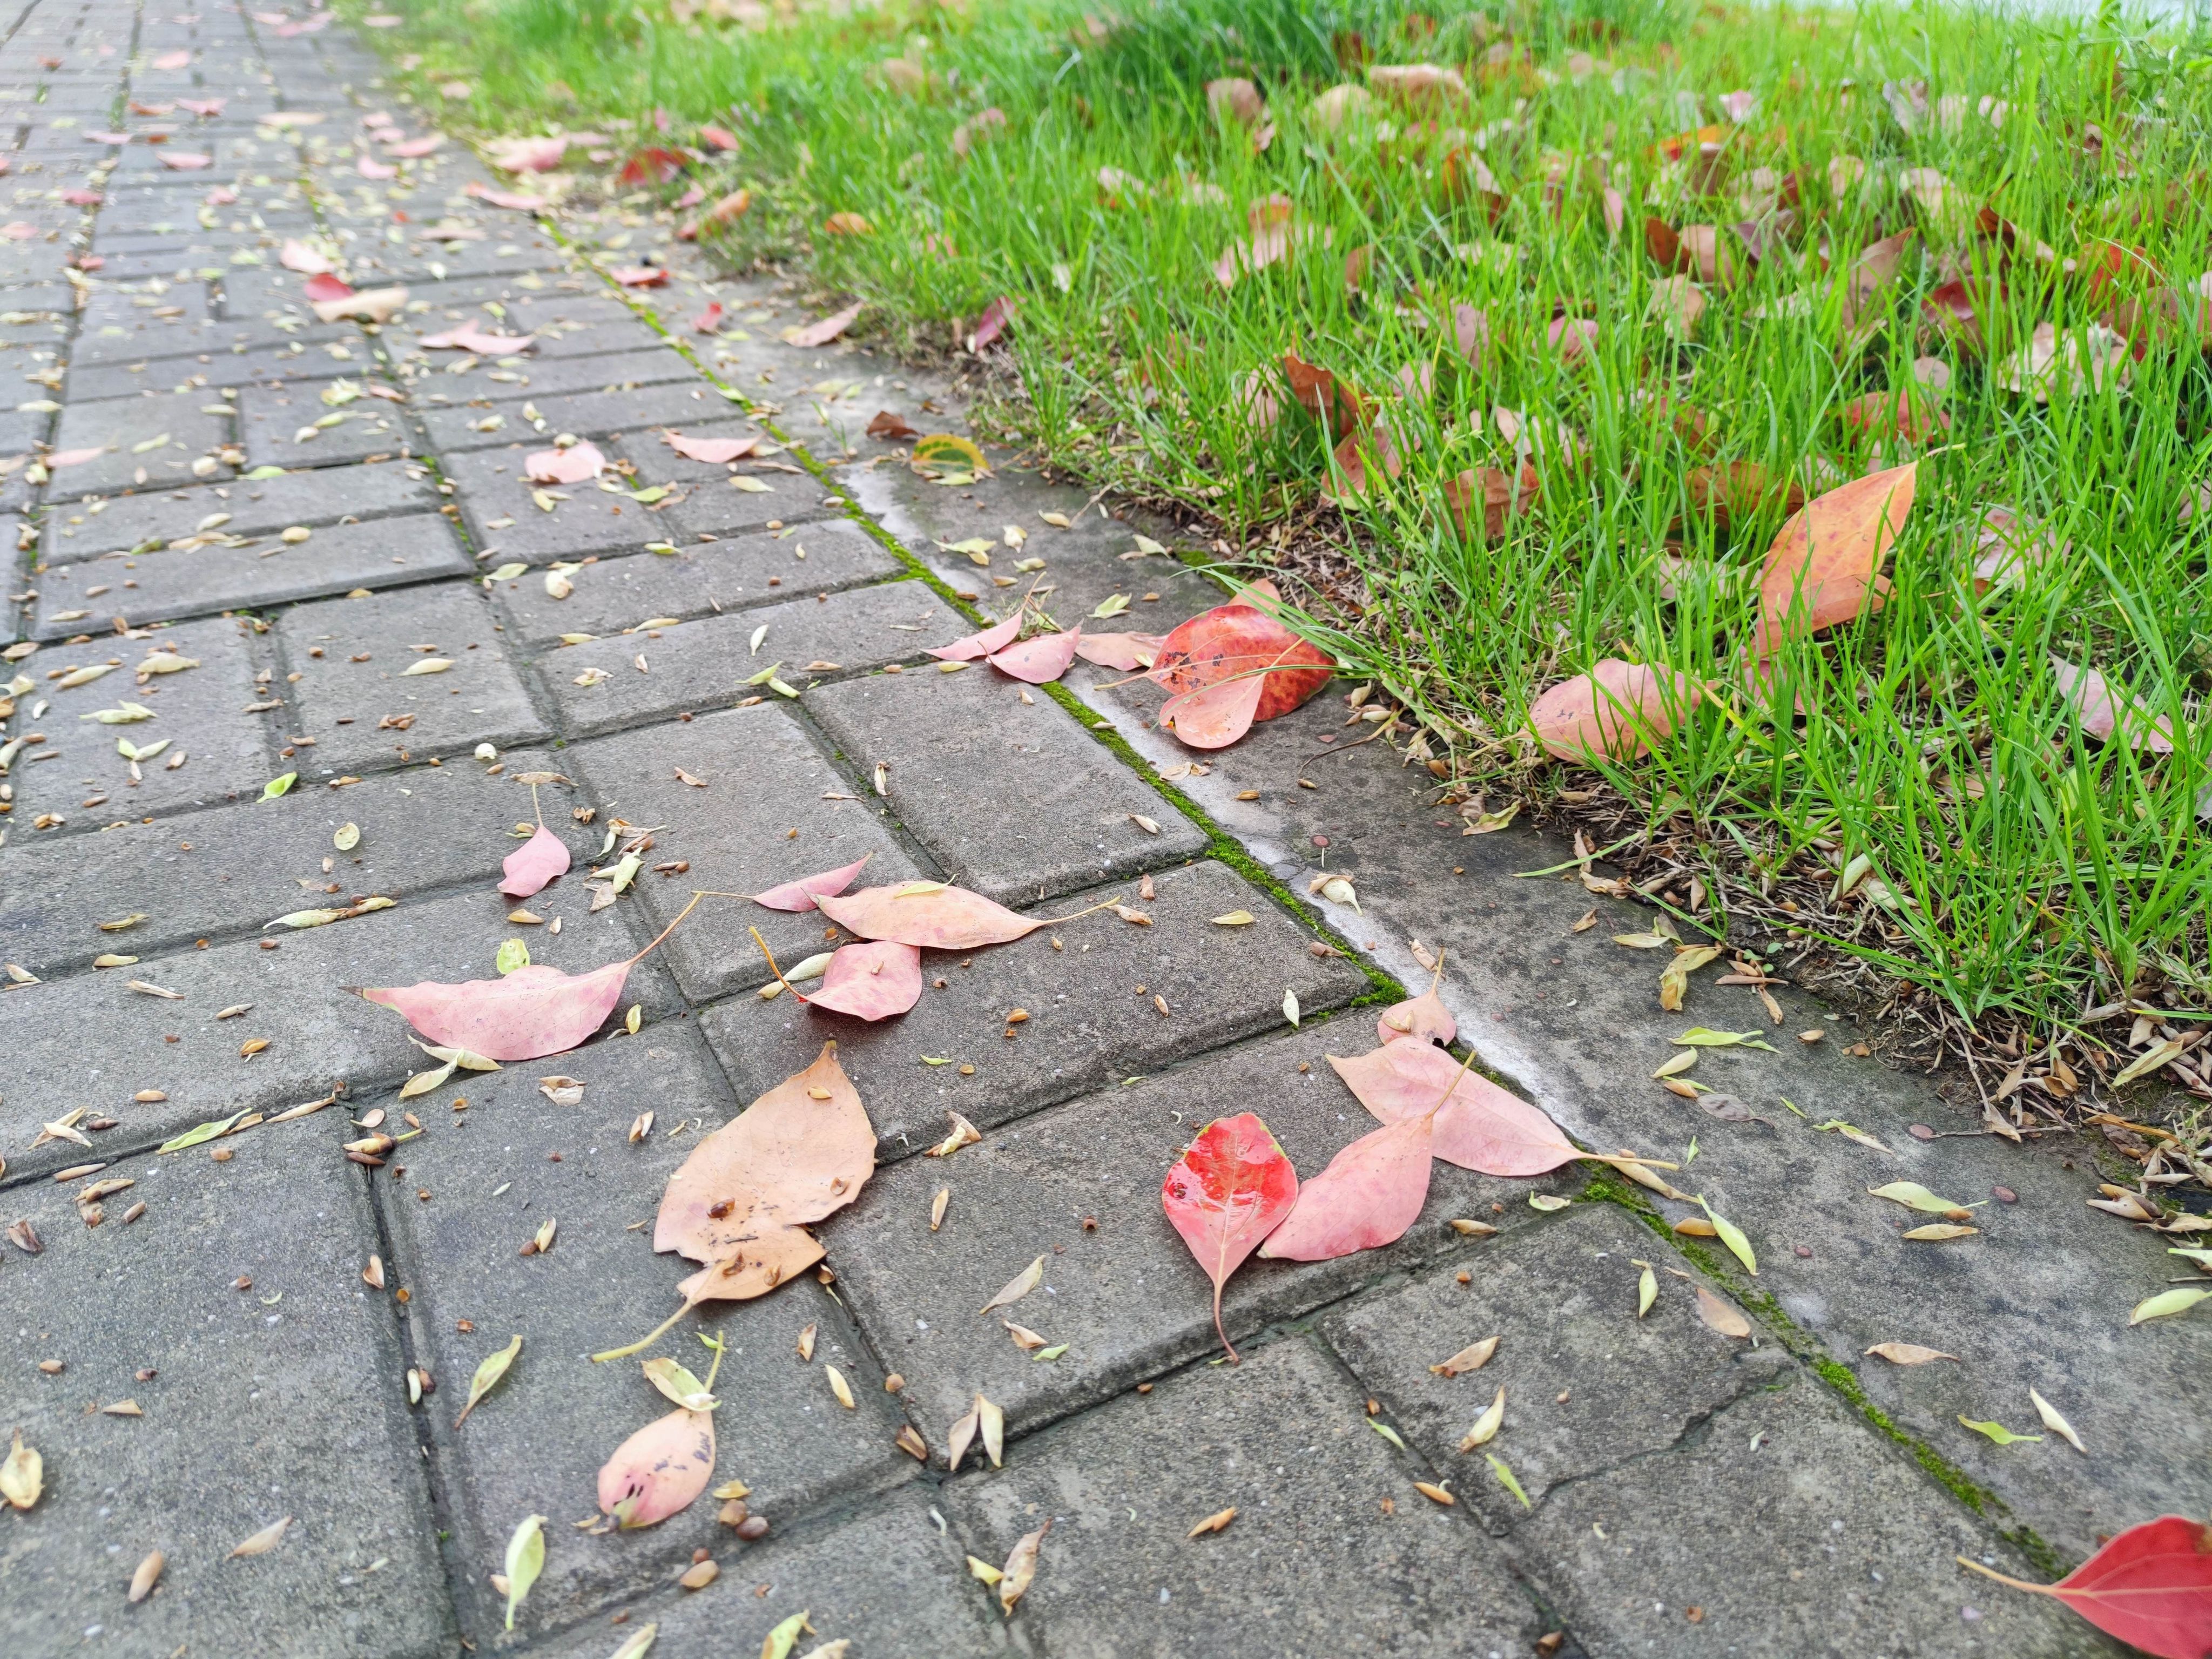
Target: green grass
{"x":2036,"y":871}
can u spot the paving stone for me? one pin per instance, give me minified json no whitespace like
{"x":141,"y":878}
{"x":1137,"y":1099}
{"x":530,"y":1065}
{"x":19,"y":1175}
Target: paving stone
{"x":766,"y":778}
{"x":202,"y":712}
{"x":1807,"y":1544}
{"x":703,"y":664}
{"x":1312,"y":1566}
{"x":587,"y":414}
{"x":2038,"y":1298}
{"x":92,"y":1042}
{"x":698,"y":579}
{"x":481,"y":699}
{"x":1126,"y":1297}
{"x":711,"y":503}
{"x":267,"y":309}
{"x":120,"y":425}
{"x":337,"y":559}
{"x":272,"y":418}
{"x":1089,"y":1026}
{"x":291,"y":363}
{"x":318,"y":495}
{"x":257,"y":1410}
{"x":537,"y":1445}
{"x":889,"y":1580}
{"x":504,"y":516}
{"x":959,"y":746}
{"x":637,"y":365}
{"x":231,"y":869}
{"x":114,"y":328}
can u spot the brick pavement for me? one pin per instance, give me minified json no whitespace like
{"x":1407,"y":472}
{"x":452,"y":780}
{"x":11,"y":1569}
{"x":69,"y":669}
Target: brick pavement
{"x":1688,"y":1493}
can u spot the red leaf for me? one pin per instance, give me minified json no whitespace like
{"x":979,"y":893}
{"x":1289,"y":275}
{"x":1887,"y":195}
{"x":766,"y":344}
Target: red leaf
{"x":714,"y":452}
{"x":1423,"y":1018}
{"x":1040,"y":661}
{"x":928,"y":915}
{"x":708,"y":320}
{"x":1234,"y":641}
{"x":639,"y":275}
{"x":1618,"y":709}
{"x":997,"y":317}
{"x":324,"y":287}
{"x":571,"y":465}
{"x":997,"y":637}
{"x":534,"y":863}
{"x":718,"y":137}
{"x":801,"y":894}
{"x":1230,"y":1189}
{"x":821,"y":333}
{"x":2151,"y":1587}
{"x":533,"y":1011}
{"x":875,"y":979}
{"x":652,"y":165}
{"x":1121,"y":651}
{"x":657,"y":1471}
{"x":1370,"y":1193}
{"x":469,"y":337}
{"x":1478,"y":1125}
{"x":1825,"y":566}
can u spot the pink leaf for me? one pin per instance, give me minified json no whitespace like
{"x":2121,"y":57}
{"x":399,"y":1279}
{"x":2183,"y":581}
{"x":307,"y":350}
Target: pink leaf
{"x":639,"y":275}
{"x":533,"y":864}
{"x":172,"y":60}
{"x":2102,"y":711}
{"x":19,"y":230}
{"x":1214,"y":716}
{"x":107,"y":137}
{"x":371,"y":305}
{"x":714,"y":452}
{"x":61,"y":458}
{"x":659,"y":1470}
{"x":874,"y":980}
{"x":207,"y":108}
{"x":1424,"y":1018}
{"x":718,"y":138}
{"x":82,"y":197}
{"x":1480,"y":1126}
{"x":469,"y":337}
{"x":503,"y":199}
{"x":533,"y":1011}
{"x":184,"y":160}
{"x":996,"y":637}
{"x":691,"y":197}
{"x":996,"y":318}
{"x":326,"y":287}
{"x":296,"y":255}
{"x":928,"y":915}
{"x":801,"y":894}
{"x":528,"y":155}
{"x":221,"y":196}
{"x":708,"y":320}
{"x":574,"y":464}
{"x":369,"y":167}
{"x":1122,"y":651}
{"x":1040,"y":661}
{"x":821,"y":333}
{"x":1618,"y":708}
{"x":1370,"y":1193}
{"x":1231,"y":1187}
{"x":415,"y":149}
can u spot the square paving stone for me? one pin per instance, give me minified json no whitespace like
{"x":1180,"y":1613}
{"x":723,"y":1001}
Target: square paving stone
{"x":272,"y":420}
{"x":587,"y":414}
{"x":1312,"y":1564}
{"x":959,"y":746}
{"x":1079,"y":1185}
{"x":233,"y":868}
{"x":504,"y":515}
{"x":256,"y":1409}
{"x":337,"y":559}
{"x":535,"y":1445}
{"x":367,"y":644}
{"x":94,"y":1041}
{"x":202,"y":712}
{"x":179,"y":425}
{"x":889,"y":1579}
{"x":1089,"y":1026}
{"x":765,"y":778}
{"x":319,"y":495}
{"x":701,"y":579}
{"x":704,"y":664}
{"x":1784,"y":1524}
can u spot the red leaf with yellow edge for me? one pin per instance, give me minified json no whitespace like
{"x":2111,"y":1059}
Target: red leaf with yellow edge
{"x":2151,"y":1587}
{"x":1825,"y":566}
{"x":1370,"y":1193}
{"x":1230,"y":1189}
{"x":657,"y":1471}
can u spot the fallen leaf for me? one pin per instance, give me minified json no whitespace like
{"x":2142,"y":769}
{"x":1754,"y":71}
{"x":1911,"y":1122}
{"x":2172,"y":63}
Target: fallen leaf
{"x":1476,"y":1124}
{"x":930,"y":916}
{"x":1424,"y":1018}
{"x":531,"y":865}
{"x":659,"y":1470}
{"x":578,"y":464}
{"x":714,"y":452}
{"x":1937,"y":1232}
{"x":1909,"y":1353}
{"x":528,"y":1014}
{"x":489,"y":1370}
{"x":1021,"y":1568}
{"x":1231,"y":1187}
{"x":1722,"y":1315}
{"x":1824,"y":566}
{"x":1733,"y":1236}
{"x":23,"y":1474}
{"x":1231,"y":668}
{"x":2167,"y":1303}
{"x":801,"y":894}
{"x":2102,"y":711}
{"x":1914,"y":1196}
{"x":2054,"y":1420}
{"x":1217,"y":1521}
{"x":2151,"y":1587}
{"x":1017,"y":1287}
{"x":1039,"y":661}
{"x":148,"y":1575}
{"x":1487,"y":1426}
{"x":1618,"y":709}
{"x":822,"y":333}
{"x":878,"y":979}
{"x":1997,"y":1432}
{"x":1472,"y":1358}
{"x":1371,"y":1191}
{"x":525,"y":1559}
{"x":262,"y":1541}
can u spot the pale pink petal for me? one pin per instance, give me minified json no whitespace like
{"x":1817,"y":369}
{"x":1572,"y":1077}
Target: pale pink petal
{"x":369,"y":167}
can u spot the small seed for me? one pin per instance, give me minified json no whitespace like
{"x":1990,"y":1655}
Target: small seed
{"x":753,"y":1528}
{"x":699,"y":1575}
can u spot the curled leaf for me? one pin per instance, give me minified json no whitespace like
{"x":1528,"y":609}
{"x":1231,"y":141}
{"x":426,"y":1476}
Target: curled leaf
{"x":525,"y":1559}
{"x":528,"y":1014}
{"x":929,"y":915}
{"x":801,"y":894}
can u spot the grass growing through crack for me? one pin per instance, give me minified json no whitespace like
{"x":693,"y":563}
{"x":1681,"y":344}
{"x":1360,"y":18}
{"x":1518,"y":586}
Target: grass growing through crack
{"x":2021,"y":870}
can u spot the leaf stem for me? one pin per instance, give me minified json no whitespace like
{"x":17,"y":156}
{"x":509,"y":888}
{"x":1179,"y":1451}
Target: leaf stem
{"x":772,"y":968}
{"x":646,"y":1341}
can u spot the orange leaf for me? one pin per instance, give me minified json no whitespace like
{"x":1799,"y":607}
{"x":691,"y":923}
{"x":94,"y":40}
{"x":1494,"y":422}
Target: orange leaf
{"x":1618,"y":709}
{"x":1825,"y":566}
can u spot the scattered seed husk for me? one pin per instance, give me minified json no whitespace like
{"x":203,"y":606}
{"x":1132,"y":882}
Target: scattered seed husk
{"x":1472,"y":1358}
{"x":1217,"y":1521}
{"x":22,"y":1475}
{"x":148,"y":1575}
{"x":1487,"y":1426}
{"x":262,"y":1541}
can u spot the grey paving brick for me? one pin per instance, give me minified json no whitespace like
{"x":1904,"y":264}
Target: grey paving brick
{"x":503,"y":514}
{"x":234,"y":367}
{"x":697,"y":579}
{"x":698,"y":666}
{"x":343,"y":703}
{"x":774,"y":809}
{"x":889,"y":1580}
{"x":277,"y":425}
{"x":527,"y":377}
{"x":314,"y":496}
{"x":958,"y":747}
{"x":336,"y":559}
{"x":251,"y":1405}
{"x":537,"y":1446}
{"x":1124,"y":1294}
{"x":92,"y":1042}
{"x":188,"y":425}
{"x":115,"y":328}
{"x":1312,"y":1566}
{"x":202,"y":712}
{"x":711,"y":503}
{"x":229,"y":869}
{"x":1090,"y":1026}
{"x":586,"y":414}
